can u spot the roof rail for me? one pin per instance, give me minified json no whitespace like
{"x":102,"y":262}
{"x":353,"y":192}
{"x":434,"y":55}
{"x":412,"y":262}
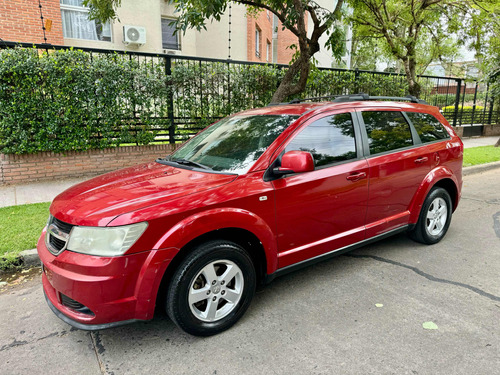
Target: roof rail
{"x":297,"y":101}
{"x":357,"y":97}
{"x":362,"y":96}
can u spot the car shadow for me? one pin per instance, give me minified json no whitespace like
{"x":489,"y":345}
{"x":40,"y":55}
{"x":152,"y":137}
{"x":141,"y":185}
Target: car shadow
{"x":284,"y":289}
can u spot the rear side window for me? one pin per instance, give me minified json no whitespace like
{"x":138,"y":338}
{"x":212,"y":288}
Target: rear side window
{"x":329,"y":140}
{"x":387,"y":131}
{"x":428,"y":127}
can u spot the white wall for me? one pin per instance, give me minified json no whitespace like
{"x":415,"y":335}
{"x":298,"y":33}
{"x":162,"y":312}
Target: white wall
{"x":144,"y":13}
{"x":148,"y":13}
{"x":324,"y":55}
{"x":214,"y":42}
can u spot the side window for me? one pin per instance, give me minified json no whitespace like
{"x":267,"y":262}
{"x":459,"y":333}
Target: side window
{"x":428,"y":127}
{"x":329,"y":140}
{"x":386,"y":130}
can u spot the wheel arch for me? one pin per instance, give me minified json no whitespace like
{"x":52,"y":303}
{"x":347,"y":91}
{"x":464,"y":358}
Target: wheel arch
{"x":239,"y":226}
{"x":242,"y":237}
{"x":449,"y":185}
{"x":441,"y":177}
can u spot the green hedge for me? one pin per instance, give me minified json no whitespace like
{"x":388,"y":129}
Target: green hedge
{"x":71,"y":100}
{"x":68,"y":100}
{"x":462,"y":109}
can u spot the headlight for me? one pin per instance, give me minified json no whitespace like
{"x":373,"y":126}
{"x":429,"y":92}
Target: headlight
{"x":104,"y":241}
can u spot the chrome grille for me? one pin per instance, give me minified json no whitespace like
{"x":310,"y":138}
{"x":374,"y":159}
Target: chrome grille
{"x":56,"y":243}
{"x":65,"y":227}
{"x":57,"y":235}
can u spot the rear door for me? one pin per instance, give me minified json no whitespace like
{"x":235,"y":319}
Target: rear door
{"x":322,"y":210}
{"x":398,"y":163}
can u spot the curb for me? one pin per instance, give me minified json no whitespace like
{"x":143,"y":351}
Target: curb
{"x":467,"y":171}
{"x":29,"y":258}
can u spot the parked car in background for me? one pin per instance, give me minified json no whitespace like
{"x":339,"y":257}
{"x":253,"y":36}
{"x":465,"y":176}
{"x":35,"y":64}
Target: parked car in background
{"x":256,"y":195}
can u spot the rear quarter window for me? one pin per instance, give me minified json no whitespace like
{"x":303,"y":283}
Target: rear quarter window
{"x":428,"y":127}
{"x":386,"y":131}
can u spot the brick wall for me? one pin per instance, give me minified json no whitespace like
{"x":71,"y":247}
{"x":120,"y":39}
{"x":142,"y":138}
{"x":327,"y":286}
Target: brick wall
{"x":285,"y":39}
{"x":265,"y":25}
{"x":264,"y":22}
{"x":491,"y":130}
{"x":20,"y":21}
{"x":19,"y":169}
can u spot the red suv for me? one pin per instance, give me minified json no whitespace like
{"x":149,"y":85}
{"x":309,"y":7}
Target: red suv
{"x":253,"y":196}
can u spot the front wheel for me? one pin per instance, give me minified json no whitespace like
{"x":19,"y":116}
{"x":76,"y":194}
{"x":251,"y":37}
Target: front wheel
{"x":434,"y":219}
{"x":211,"y":288}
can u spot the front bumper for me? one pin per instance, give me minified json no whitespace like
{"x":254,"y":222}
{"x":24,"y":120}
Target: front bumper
{"x":86,"y":327}
{"x":112,"y":290}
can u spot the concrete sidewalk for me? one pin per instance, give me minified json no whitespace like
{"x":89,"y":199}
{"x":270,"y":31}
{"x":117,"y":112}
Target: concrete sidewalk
{"x":46,"y":191}
{"x":480,"y":141}
{"x":42,"y":191}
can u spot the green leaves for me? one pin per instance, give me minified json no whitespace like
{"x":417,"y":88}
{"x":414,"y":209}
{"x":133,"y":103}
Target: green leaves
{"x":415,"y":33}
{"x":68,"y":100}
{"x":102,"y":10}
{"x":195,"y":13}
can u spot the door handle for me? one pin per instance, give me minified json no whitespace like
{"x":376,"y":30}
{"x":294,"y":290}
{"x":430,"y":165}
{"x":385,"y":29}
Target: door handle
{"x":421,"y":160}
{"x":356,"y":176}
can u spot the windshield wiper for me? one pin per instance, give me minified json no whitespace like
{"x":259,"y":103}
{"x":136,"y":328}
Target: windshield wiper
{"x":190,"y":162}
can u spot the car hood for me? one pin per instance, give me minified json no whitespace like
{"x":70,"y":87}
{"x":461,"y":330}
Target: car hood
{"x":98,"y":201}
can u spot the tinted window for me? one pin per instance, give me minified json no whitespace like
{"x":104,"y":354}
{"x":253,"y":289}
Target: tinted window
{"x":329,"y":140}
{"x":428,"y":127}
{"x":386,"y":131}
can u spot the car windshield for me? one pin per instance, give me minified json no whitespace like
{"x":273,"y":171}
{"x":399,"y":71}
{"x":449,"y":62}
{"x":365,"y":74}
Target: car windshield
{"x":233,"y":144}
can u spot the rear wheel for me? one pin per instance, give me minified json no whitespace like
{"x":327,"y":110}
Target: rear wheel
{"x":434,"y":219}
{"x":211,"y":289}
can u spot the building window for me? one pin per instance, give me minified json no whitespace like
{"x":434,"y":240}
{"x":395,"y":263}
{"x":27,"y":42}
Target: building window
{"x":275,"y":26}
{"x":77,"y":25}
{"x":257,"y":41}
{"x":170,"y":39}
{"x":268,"y":51}
{"x":275,"y":51}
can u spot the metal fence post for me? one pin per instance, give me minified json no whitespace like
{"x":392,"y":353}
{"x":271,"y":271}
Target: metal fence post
{"x":170,"y":100}
{"x":474,"y":105}
{"x":457,"y":100}
{"x":356,"y":84}
{"x":490,"y":114}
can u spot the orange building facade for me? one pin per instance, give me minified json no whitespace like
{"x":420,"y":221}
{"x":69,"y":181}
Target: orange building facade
{"x":267,"y":42}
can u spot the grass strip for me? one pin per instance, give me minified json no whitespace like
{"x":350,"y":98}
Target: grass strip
{"x":20,"y":228}
{"x":481,"y":155}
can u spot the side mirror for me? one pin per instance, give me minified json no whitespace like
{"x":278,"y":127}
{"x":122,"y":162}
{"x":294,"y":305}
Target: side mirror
{"x":295,"y":162}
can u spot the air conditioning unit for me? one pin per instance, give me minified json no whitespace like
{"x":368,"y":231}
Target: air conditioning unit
{"x":171,"y":51}
{"x":134,"y":35}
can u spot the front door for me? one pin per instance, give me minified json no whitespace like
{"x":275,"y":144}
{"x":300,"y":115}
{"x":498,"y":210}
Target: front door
{"x":323,"y":210}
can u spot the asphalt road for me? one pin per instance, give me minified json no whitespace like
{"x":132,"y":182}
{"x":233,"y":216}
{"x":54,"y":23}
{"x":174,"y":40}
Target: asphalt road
{"x":325,"y":319}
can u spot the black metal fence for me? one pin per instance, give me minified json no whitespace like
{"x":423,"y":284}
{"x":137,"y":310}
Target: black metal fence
{"x":202,"y":90}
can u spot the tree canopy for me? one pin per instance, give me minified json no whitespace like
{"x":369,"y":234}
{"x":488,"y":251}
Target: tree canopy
{"x":291,"y":13}
{"x":413,"y":32}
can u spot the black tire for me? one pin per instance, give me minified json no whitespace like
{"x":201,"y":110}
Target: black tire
{"x":429,"y":230}
{"x":220,"y":257}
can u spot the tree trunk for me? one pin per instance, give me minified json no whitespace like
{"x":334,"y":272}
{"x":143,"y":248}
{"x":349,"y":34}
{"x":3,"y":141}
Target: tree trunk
{"x":498,"y":143}
{"x":411,"y":76}
{"x":287,"y":87}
